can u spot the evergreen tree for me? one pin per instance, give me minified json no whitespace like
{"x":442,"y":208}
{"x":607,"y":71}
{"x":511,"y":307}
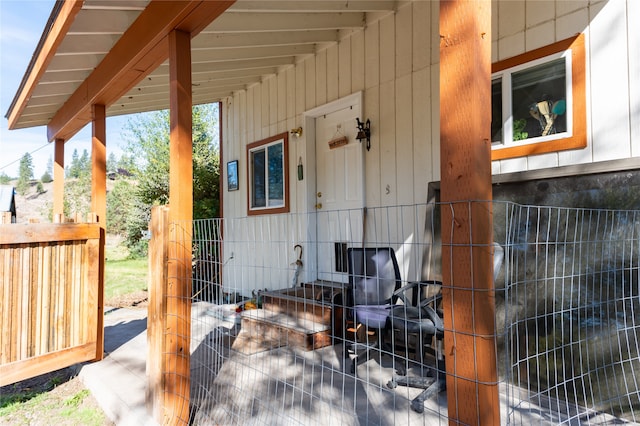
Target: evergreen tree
{"x":25,"y":173}
{"x":47,"y":176}
{"x":73,"y":170}
{"x":84,"y":165}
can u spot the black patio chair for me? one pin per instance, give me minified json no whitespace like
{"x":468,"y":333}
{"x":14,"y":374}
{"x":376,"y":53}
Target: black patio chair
{"x":424,"y":319}
{"x":374,"y":278}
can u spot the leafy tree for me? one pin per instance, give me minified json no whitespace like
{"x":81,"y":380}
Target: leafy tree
{"x":4,"y":179}
{"x":126,"y":164}
{"x":25,"y":173}
{"x":77,"y":197}
{"x":121,"y":204}
{"x":147,"y":137}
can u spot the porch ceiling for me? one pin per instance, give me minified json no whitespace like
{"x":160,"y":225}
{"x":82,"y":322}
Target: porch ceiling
{"x":248,"y":42}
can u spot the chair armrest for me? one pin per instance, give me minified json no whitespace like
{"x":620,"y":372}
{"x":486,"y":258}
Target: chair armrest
{"x":401,"y":292}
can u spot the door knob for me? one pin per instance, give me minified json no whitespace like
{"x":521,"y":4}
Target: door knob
{"x":319,"y":206}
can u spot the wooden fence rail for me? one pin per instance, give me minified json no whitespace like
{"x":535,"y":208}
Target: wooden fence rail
{"x":51,"y":297}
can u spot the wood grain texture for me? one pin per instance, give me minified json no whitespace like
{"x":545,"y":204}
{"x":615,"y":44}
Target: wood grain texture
{"x":51,"y":297}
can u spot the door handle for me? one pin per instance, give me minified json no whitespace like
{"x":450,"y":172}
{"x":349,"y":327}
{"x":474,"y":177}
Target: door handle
{"x":319,"y":206}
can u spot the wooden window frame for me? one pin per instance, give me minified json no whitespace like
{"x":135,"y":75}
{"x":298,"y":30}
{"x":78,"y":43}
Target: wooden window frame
{"x":577,"y":138}
{"x":251,"y":211}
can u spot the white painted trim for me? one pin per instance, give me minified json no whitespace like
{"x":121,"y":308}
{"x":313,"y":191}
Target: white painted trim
{"x":309,"y":118}
{"x":338,"y":104}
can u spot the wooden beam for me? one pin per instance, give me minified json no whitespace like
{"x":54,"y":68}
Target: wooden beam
{"x":141,"y":49}
{"x":99,"y":164}
{"x":58,"y":180}
{"x":45,"y":52}
{"x":468,"y":295}
{"x":178,"y":316}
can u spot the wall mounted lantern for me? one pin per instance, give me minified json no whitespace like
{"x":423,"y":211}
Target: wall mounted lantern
{"x":364,"y":131}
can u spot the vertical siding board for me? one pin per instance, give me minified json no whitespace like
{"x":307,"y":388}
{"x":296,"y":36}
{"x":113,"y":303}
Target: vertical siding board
{"x":23,"y":309}
{"x":333,"y":74}
{"x":256,"y":125}
{"x":404,"y":142}
{"x":435,"y":38}
{"x":281,"y":96}
{"x":39,"y":305}
{"x":633,"y":35}
{"x":388,"y":172}
{"x":272,"y":103}
{"x":387,"y":49}
{"x":290,"y":93}
{"x":435,"y":120}
{"x":92,"y":250}
{"x":300,"y":98}
{"x":264,"y":108}
{"x":5,"y":305}
{"x":241,"y":101}
{"x":344,"y":67}
{"x":403,"y":39}
{"x":310,"y":82}
{"x":46,"y":297}
{"x":372,"y":55}
{"x":421,"y":123}
{"x":373,"y":157}
{"x":357,"y":61}
{"x":249,"y":129}
{"x":610,"y":123}
{"x":421,"y":33}
{"x":321,"y":77}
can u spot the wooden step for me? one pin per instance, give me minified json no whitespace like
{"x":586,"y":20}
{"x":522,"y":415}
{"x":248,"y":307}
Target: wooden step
{"x":289,"y":330}
{"x":298,"y":307}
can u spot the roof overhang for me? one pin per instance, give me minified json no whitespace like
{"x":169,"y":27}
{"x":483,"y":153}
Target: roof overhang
{"x":114,"y":53}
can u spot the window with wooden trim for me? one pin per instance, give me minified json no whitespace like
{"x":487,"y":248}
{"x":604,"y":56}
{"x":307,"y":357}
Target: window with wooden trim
{"x":538,"y":101}
{"x":268,"y":175}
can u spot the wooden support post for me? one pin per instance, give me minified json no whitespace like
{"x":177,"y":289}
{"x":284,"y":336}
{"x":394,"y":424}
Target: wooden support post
{"x":99,"y":164}
{"x":468,"y":295}
{"x":156,"y":317}
{"x":178,"y":330}
{"x":99,"y":204}
{"x":58,"y":180}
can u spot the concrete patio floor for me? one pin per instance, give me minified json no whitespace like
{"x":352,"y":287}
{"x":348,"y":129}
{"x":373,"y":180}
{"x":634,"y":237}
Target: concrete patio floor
{"x":282,"y":385}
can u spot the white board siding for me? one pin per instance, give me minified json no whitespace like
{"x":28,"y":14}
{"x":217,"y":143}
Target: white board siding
{"x":404,"y":110}
{"x":609,"y":71}
{"x":633,"y":10}
{"x":610,"y":84}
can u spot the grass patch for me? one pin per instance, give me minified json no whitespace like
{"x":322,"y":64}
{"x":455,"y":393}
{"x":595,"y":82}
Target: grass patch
{"x":125,"y":276}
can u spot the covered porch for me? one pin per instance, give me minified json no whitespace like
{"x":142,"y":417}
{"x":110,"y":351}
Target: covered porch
{"x":100,"y":58}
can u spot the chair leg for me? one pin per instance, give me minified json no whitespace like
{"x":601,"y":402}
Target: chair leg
{"x":432,"y":385}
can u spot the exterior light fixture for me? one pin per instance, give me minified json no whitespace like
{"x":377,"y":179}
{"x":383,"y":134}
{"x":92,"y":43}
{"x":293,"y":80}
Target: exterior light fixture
{"x":364,"y":131}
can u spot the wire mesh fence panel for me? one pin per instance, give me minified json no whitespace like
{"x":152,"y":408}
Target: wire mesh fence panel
{"x":292,"y":321}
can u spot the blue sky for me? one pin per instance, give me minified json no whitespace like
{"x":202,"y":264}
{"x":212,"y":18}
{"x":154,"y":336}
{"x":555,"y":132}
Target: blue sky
{"x":21,"y":24}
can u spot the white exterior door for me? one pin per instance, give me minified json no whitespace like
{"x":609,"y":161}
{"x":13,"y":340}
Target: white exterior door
{"x":339,"y":191}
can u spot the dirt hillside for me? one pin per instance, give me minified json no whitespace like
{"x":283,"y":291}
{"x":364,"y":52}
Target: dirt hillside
{"x":34,"y":205}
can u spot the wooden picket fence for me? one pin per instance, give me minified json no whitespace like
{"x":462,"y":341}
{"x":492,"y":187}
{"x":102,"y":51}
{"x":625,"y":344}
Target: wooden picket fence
{"x":51,"y":297}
